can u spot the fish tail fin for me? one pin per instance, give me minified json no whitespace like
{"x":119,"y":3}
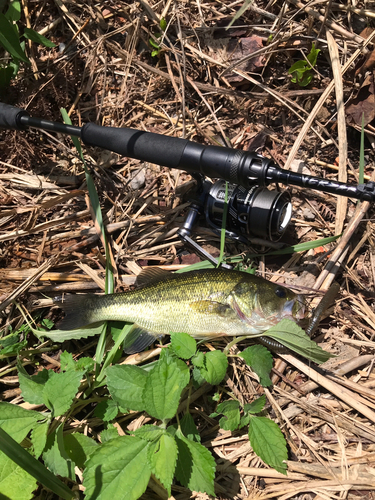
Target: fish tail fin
{"x":79,"y":311}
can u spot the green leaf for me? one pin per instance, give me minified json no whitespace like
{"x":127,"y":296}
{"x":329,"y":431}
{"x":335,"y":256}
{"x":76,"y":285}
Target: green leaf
{"x":14,"y":11}
{"x":292,"y":336}
{"x":28,"y":463}
{"x":63,"y":335}
{"x":215,"y":367}
{"x":299,"y":66}
{"x":79,"y":447}
{"x":162,"y":456}
{"x":106,"y":410}
{"x":256,"y":406}
{"x":260,"y":360}
{"x":109,"y":433}
{"x":60,"y":390}
{"x":252,"y":408}
{"x":16,"y":421}
{"x":15,"y":482}
{"x":67,"y":361}
{"x":164,"y":385}
{"x":313,"y":55}
{"x":39,"y":438}
{"x":183,"y":345}
{"x":231,"y":412}
{"x":119,"y":465}
{"x":195,"y":465}
{"x":268,"y":442}
{"x":126,"y":384}
{"x":10,"y":41}
{"x":198,"y":360}
{"x":150,"y":433}
{"x":35,"y":37}
{"x":198,"y":379}
{"x":163,"y":24}
{"x":154,"y":44}
{"x":189,"y":428}
{"x":32,"y":387}
{"x":55,"y":456}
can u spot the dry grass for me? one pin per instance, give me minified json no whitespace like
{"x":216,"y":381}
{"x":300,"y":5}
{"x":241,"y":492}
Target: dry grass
{"x":49,"y":244}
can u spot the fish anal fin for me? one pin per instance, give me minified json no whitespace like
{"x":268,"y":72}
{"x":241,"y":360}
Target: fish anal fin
{"x":151,"y":275}
{"x":138,"y":339}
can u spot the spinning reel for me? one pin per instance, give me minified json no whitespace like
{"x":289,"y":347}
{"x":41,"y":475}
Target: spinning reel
{"x":253,"y":211}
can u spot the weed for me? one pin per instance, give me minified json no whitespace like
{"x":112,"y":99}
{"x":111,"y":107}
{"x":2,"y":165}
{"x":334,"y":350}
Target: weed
{"x":301,"y":71}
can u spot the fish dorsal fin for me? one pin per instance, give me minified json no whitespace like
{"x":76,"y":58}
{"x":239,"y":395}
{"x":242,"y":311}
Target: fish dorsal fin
{"x":138,"y":339}
{"x":152,"y":275}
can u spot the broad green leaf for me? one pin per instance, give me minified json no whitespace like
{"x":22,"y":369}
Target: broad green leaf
{"x":164,"y":385}
{"x":20,"y":457}
{"x":294,"y":338}
{"x":16,"y":421}
{"x":260,"y":360}
{"x":32,"y":387}
{"x":39,"y":438}
{"x":189,"y":428}
{"x":55,"y":456}
{"x":195,"y":465}
{"x":63,"y":335}
{"x":14,"y":11}
{"x":162,"y":455}
{"x":183,"y":345}
{"x":126,"y":384}
{"x":10,"y":41}
{"x":256,"y":406}
{"x":119,"y":465}
{"x":106,"y":410}
{"x":67,"y":361}
{"x":252,"y":408}
{"x":109,"y":433}
{"x":60,"y":390}
{"x":313,"y":55}
{"x":198,"y":378}
{"x":35,"y":37}
{"x":199,"y":359}
{"x":83,"y":364}
{"x":299,"y":66}
{"x":149,"y":433}
{"x":15,"y":482}
{"x":79,"y":447}
{"x":268,"y":442}
{"x":231,"y":412}
{"x":215,"y":367}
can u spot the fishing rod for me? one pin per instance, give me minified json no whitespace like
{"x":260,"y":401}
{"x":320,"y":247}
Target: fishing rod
{"x":252,"y":209}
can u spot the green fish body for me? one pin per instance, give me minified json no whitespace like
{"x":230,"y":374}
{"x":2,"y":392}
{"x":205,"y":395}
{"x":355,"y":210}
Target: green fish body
{"x":205,"y":304}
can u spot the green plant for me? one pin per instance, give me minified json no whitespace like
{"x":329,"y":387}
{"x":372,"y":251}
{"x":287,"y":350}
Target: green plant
{"x":13,"y":42}
{"x":301,"y":71}
{"x":153,"y":43}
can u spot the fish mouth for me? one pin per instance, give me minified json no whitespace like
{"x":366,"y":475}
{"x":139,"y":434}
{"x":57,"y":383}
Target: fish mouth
{"x":294,"y":308}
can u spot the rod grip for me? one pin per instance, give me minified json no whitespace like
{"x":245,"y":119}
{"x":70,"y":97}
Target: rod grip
{"x":10,"y":117}
{"x":145,"y":146}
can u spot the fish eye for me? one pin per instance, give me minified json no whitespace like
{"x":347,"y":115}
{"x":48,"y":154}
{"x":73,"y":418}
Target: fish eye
{"x":280,"y":292}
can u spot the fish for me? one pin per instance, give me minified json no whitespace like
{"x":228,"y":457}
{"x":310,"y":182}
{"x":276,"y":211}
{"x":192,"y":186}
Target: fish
{"x":205,"y":304}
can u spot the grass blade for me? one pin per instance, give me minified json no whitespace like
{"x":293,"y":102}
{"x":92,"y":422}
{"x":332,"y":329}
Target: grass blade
{"x":21,"y":457}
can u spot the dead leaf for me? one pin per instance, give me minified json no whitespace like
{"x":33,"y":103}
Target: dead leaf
{"x":364,"y":104}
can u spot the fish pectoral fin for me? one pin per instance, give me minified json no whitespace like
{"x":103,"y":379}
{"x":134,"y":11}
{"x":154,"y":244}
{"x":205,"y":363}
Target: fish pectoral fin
{"x":138,"y":339}
{"x":211,"y":307}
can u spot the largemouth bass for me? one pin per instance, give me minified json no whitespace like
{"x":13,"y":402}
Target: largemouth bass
{"x":205,"y":304}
